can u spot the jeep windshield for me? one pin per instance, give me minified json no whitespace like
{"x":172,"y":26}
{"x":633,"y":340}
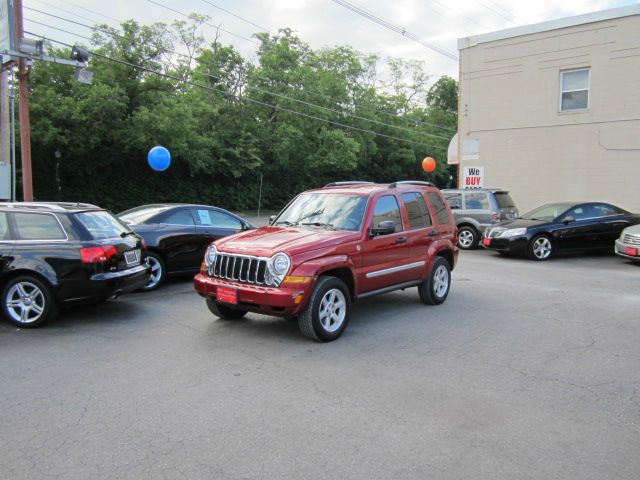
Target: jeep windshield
{"x":333,"y":211}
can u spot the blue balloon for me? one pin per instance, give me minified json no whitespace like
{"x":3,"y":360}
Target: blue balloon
{"x":159,"y":158}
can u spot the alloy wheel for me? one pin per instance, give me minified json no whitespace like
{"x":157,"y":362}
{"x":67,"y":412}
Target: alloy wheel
{"x":156,"y":272}
{"x":542,"y":248}
{"x":333,"y":310}
{"x":441,"y":281}
{"x":466,"y":238}
{"x":25,"y":302}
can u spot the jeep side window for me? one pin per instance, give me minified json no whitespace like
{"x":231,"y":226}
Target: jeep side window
{"x":476,"y":201}
{"x":454,"y":200}
{"x":442,"y":215}
{"x":417,"y":210}
{"x":387,"y":209}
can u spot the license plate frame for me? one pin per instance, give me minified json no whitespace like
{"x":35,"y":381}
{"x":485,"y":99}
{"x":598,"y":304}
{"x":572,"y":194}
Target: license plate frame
{"x":486,"y":242}
{"x":631,"y":251}
{"x":132,"y":257}
{"x":227,"y":295}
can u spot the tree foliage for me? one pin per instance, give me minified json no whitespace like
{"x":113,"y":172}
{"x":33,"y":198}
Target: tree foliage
{"x":228,"y":121}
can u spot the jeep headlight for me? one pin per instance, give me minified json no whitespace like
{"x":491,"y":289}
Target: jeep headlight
{"x":277,"y":269}
{"x":210,"y":256}
{"x":513,"y":232}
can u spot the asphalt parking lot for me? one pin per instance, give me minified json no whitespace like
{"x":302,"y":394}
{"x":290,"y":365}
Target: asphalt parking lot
{"x":529,"y":370}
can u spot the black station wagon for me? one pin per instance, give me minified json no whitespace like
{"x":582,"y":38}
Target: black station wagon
{"x":55,"y":254}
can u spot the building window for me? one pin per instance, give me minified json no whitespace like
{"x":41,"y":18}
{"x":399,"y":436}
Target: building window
{"x":574,"y":89}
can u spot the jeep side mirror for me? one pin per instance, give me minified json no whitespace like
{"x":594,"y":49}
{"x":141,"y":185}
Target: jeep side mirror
{"x":271,"y":219}
{"x":384,"y":228}
{"x":568,"y":219}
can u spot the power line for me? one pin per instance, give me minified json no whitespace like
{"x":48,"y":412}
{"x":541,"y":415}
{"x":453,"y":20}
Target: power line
{"x":267,"y":92}
{"x":207,"y":23}
{"x":443,"y":5}
{"x":238,"y":17}
{"x":251,"y":100}
{"x":165,"y":50}
{"x":511,"y":14}
{"x":390,"y":26}
{"x":91,"y":11}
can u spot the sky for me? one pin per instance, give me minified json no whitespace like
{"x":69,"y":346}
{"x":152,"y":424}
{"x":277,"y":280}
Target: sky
{"x":323,"y":22}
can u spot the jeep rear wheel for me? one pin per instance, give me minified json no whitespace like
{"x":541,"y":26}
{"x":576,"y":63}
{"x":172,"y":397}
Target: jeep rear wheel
{"x":326,"y":315}
{"x":224,"y":312}
{"x":434,"y":290}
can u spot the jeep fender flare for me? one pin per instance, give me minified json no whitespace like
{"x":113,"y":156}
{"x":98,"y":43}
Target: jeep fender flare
{"x":316,"y":267}
{"x":440,"y":248}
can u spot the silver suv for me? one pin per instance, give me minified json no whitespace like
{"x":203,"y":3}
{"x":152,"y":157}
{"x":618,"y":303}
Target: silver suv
{"x":477,"y":209}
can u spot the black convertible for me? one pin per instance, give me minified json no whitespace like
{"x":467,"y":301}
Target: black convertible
{"x":177,"y":235}
{"x":560,"y":227}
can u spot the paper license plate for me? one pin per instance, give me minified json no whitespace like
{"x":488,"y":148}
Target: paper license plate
{"x":486,"y":242}
{"x":132,"y":257}
{"x":227,"y":295}
{"x":631,"y":251}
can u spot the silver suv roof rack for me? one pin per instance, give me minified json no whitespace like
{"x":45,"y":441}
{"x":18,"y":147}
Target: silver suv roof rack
{"x":350,"y":182}
{"x":411,"y":182}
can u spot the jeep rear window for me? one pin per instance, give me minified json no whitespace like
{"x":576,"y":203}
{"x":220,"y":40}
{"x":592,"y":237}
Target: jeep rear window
{"x":442,"y":213}
{"x":417,"y":210}
{"x":333,"y":210}
{"x":102,"y":225}
{"x":504,"y":200}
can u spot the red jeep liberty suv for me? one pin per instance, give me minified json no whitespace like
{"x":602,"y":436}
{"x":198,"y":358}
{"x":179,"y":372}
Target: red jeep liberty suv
{"x":329,"y":247}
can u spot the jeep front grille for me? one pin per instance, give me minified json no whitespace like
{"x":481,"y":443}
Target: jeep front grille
{"x":239,"y":268}
{"x":631,"y":239}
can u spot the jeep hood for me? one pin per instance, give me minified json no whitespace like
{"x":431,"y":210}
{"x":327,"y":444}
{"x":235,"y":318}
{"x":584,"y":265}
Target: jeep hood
{"x":266,"y":241}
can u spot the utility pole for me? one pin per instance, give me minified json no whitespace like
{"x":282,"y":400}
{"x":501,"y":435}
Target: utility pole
{"x":23,"y":109}
{"x":5,"y":137}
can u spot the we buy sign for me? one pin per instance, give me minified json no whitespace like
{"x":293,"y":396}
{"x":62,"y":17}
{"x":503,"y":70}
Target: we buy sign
{"x":473,"y":177}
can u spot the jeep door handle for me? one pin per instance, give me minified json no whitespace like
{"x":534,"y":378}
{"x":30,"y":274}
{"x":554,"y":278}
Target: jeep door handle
{"x":401,"y":240}
{"x":433,"y":233}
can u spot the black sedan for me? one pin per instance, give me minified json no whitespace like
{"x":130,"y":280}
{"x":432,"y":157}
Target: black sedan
{"x":177,"y":235}
{"x":560,"y":227}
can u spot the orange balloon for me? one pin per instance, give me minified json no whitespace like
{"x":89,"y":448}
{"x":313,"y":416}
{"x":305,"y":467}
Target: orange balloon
{"x":428,"y":164}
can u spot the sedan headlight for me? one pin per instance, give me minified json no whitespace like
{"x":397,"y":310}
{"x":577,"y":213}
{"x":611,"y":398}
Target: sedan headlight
{"x":278,"y":267}
{"x":513,"y":232}
{"x":210,"y":256}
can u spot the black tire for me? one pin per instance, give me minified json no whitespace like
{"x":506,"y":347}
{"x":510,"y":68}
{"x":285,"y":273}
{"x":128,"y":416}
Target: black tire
{"x":321,"y":329}
{"x":435,"y":289}
{"x":158,"y":272}
{"x":468,"y":238}
{"x":38,"y":294}
{"x":541,"y":248}
{"x":224,"y":312}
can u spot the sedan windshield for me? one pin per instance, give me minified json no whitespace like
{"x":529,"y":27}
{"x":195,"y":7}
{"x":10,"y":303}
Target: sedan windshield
{"x":547,"y":212}
{"x":141,"y":214}
{"x":327,"y":210}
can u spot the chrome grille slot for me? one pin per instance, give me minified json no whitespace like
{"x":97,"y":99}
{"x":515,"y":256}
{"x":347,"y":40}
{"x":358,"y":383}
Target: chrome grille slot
{"x":631,"y":239}
{"x":239,"y":268}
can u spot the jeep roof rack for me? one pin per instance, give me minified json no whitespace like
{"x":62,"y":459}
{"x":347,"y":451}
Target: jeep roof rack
{"x":350,"y":182}
{"x":411,"y":182}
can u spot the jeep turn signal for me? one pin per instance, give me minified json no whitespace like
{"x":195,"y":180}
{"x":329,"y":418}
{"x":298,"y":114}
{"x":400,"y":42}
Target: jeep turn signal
{"x":291,"y":279}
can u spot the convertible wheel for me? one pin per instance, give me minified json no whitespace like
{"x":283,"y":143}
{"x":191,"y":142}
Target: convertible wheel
{"x":468,"y":238}
{"x":541,"y":248}
{"x":327,"y":313}
{"x":158,"y":272}
{"x":28,"y":302}
{"x":435,"y":289}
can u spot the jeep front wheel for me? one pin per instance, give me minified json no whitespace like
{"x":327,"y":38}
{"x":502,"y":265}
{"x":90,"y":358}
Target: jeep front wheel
{"x":434,"y":290}
{"x":326,"y":315}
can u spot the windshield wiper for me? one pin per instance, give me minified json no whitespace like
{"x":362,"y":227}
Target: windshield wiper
{"x":320,"y":224}
{"x":287,"y":223}
{"x":125,"y":234}
{"x":312,"y":214}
